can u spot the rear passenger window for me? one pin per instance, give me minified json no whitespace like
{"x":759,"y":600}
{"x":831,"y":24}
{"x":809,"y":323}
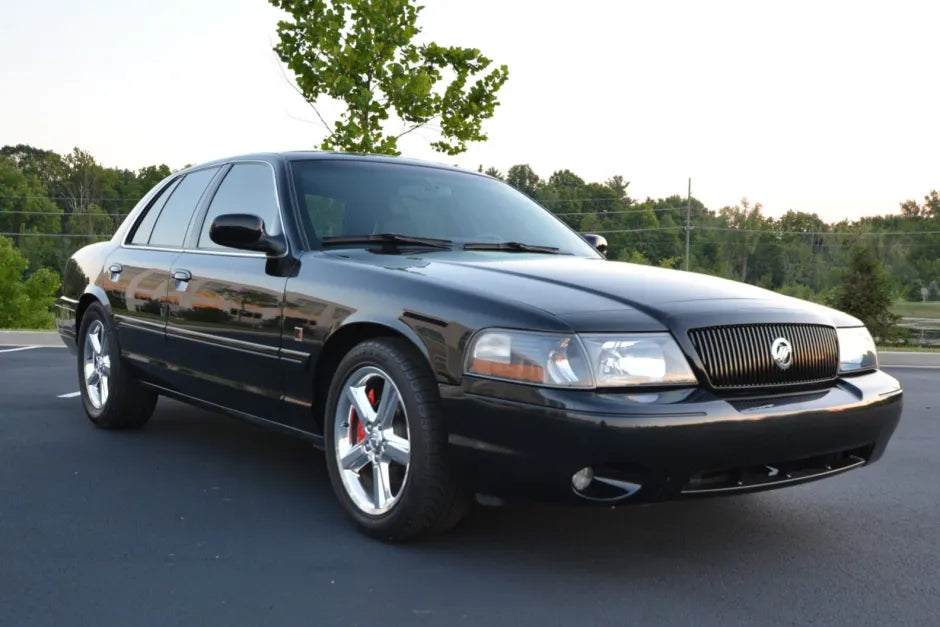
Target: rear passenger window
{"x":173,"y":220}
{"x":145,"y":225}
{"x":247,"y":188}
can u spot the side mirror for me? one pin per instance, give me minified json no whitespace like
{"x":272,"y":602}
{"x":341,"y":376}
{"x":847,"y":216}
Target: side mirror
{"x":245,"y":232}
{"x":597,"y":241}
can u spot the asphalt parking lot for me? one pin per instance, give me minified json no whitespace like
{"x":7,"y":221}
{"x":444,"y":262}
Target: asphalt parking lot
{"x":203,"y":520}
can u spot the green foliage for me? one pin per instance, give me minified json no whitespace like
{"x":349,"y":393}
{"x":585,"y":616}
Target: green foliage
{"x":800,"y":291}
{"x":523,"y":178}
{"x":24,"y":303}
{"x":25,"y":211}
{"x":865,"y":292}
{"x":634,"y":256}
{"x":42,"y":192}
{"x":363,"y":53}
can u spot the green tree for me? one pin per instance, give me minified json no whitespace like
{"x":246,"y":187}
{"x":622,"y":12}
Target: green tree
{"x":747,"y":221}
{"x":46,"y":165}
{"x":24,"y":303}
{"x":524,"y":178}
{"x":26,"y":211}
{"x":93,"y":223}
{"x":865,"y":292}
{"x":363,"y":53}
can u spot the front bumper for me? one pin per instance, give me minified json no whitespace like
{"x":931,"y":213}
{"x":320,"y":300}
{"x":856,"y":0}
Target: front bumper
{"x":521,"y":441}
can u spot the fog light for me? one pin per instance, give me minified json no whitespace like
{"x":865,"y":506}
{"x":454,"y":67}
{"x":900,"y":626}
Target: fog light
{"x":583,"y":478}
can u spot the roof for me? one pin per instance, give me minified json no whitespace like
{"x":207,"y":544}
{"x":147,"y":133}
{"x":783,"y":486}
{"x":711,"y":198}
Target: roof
{"x":298,"y":155}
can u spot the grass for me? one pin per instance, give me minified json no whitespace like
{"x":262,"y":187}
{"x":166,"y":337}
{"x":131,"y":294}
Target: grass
{"x":910,"y":349}
{"x":913,"y":309}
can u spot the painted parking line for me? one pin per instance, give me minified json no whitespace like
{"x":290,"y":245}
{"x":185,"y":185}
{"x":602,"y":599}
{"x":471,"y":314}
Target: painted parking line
{"x":69,"y":395}
{"x":21,"y":348}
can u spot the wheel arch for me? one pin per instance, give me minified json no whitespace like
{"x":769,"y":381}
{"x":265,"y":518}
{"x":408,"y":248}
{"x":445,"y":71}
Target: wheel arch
{"x":93,"y":294}
{"x":340,"y":342}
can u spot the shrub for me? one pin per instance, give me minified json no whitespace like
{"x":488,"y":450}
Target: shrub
{"x":24,"y":302}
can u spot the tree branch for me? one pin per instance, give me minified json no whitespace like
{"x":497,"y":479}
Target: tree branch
{"x":293,"y":85}
{"x":415,"y":127}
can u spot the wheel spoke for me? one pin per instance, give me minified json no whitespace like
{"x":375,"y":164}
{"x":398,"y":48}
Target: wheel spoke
{"x":95,"y":341}
{"x":381,"y":485}
{"x":94,"y":378}
{"x":388,"y":406}
{"x":106,"y":365}
{"x":103,"y":388}
{"x":397,"y":449}
{"x":355,"y":458}
{"x":89,"y":371}
{"x":359,"y":399}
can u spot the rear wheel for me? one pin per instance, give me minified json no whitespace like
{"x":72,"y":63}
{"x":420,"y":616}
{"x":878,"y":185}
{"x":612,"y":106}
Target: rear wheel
{"x":112,"y":397}
{"x":386,"y":444}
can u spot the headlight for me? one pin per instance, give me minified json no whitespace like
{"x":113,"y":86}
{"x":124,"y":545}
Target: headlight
{"x":856,"y":350}
{"x":579,"y":361}
{"x":543,"y":358}
{"x":637,"y":359}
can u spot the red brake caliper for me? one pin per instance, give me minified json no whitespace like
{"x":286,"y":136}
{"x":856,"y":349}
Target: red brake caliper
{"x":357,"y":431}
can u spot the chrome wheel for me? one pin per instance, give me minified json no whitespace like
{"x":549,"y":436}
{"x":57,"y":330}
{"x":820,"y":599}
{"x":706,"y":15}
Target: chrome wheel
{"x":371,"y":440}
{"x":97,"y":366}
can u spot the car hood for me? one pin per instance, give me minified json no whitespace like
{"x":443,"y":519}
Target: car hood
{"x":599,"y":295}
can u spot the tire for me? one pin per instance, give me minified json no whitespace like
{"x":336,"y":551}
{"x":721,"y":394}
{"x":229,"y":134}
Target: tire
{"x":112,"y":397}
{"x":421,"y":496}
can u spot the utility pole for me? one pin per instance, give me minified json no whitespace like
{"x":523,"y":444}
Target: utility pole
{"x":688,"y":223}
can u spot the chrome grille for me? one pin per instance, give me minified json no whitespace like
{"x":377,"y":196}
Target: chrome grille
{"x":739,"y":356}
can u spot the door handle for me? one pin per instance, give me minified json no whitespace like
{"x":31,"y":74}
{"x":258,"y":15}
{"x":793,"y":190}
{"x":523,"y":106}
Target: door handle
{"x":116,"y":269}
{"x":181,"y":280}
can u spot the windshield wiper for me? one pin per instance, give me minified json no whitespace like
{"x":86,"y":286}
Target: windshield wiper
{"x":518,"y":247}
{"x":389,"y":239}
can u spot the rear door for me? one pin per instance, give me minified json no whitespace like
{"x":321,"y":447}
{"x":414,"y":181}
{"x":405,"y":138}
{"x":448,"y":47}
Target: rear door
{"x":225,"y":307}
{"x":137,"y":273}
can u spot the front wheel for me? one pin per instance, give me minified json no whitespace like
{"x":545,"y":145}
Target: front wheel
{"x":112,"y":397}
{"x":386,"y":444}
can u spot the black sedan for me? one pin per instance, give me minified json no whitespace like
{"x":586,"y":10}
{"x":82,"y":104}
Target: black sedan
{"x":441,"y":335}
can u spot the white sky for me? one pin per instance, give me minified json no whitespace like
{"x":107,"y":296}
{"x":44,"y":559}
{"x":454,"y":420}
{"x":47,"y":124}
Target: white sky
{"x":830,"y":107}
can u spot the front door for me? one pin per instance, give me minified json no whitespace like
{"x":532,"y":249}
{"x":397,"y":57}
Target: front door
{"x":225,"y":307}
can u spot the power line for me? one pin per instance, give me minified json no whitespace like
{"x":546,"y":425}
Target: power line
{"x":73,"y":198}
{"x":843,"y":233}
{"x":616,"y":213}
{"x":652,"y":228}
{"x":62,"y":214}
{"x":846,"y":234}
{"x":58,"y":235}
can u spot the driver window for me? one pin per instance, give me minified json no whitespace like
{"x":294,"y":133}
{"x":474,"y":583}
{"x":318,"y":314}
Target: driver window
{"x":247,"y":188}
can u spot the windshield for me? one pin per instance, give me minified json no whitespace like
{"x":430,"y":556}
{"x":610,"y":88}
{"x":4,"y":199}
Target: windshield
{"x":346,"y":198}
